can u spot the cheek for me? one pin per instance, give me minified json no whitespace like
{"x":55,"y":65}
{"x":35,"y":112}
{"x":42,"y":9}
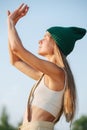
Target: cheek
{"x":50,"y":48}
{"x":42,"y":50}
{"x":46,"y":48}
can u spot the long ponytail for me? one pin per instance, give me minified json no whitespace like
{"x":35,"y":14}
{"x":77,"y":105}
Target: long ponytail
{"x":69,"y":100}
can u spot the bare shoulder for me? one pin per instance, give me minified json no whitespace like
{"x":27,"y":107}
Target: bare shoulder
{"x":55,"y":82}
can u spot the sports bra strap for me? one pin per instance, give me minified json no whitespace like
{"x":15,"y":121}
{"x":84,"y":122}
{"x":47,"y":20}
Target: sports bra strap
{"x":31,"y":95}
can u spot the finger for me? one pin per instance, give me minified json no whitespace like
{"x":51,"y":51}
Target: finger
{"x":21,"y":6}
{"x":22,"y":10}
{"x":25,"y":7}
{"x":22,"y":13}
{"x":25,"y":12}
{"x":8,"y":13}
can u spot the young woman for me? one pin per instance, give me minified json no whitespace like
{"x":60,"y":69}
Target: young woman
{"x":55,"y":91}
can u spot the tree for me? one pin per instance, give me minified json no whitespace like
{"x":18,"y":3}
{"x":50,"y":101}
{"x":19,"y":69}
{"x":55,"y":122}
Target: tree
{"x":80,"y":124}
{"x":4,"y":118}
{"x":4,"y":121}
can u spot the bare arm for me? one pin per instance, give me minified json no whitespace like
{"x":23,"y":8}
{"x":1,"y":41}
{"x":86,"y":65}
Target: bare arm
{"x":14,"y":59}
{"x":30,"y":59}
{"x":23,"y":67}
{"x":18,"y":49}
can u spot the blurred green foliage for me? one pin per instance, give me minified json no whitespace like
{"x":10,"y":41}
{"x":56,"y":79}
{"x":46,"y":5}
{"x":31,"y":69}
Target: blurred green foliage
{"x":4,"y":121}
{"x":80,"y":124}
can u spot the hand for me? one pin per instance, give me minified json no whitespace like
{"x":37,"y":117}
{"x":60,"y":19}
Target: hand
{"x":18,"y":13}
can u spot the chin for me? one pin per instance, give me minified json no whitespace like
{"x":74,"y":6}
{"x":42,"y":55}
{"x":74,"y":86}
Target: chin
{"x":40,"y":53}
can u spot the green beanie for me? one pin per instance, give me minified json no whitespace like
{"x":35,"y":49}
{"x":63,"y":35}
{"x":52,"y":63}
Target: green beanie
{"x":65,"y":37}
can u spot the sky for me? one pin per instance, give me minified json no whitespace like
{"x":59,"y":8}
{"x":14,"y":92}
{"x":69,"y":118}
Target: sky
{"x":14,"y":85}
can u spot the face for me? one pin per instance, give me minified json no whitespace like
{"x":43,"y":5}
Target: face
{"x":46,"y":45}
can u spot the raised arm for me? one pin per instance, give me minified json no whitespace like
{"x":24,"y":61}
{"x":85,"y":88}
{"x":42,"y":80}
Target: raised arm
{"x":14,"y":59}
{"x":22,"y":66}
{"x":27,"y":57}
{"x":21,"y":11}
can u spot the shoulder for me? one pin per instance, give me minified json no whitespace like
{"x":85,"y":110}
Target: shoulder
{"x":56,"y":82}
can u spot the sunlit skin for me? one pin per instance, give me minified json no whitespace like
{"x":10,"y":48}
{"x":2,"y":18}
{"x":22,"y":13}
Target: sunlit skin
{"x":46,"y":45}
{"x":33,"y":66}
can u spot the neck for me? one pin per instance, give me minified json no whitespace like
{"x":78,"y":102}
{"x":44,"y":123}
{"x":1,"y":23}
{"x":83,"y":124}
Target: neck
{"x":56,"y":59}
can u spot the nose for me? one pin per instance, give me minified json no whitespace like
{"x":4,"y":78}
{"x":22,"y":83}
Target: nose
{"x":40,"y":41}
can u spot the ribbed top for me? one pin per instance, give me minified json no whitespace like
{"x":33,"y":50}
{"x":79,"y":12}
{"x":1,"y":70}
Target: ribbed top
{"x":47,"y":99}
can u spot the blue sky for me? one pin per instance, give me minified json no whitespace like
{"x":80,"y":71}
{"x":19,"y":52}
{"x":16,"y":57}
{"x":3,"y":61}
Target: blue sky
{"x":15,"y":86}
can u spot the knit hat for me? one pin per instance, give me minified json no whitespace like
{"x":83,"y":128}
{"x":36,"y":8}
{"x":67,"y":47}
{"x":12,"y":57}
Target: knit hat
{"x":65,"y":37}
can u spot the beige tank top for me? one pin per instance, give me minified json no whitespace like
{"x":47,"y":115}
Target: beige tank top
{"x":47,"y":99}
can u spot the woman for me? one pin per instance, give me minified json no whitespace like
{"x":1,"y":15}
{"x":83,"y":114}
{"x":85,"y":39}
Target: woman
{"x":55,"y":91}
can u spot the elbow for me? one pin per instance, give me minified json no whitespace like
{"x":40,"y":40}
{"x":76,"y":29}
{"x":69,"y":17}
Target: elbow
{"x":17,"y":49}
{"x":12,"y":62}
{"x":14,"y":46}
{"x":14,"y":49}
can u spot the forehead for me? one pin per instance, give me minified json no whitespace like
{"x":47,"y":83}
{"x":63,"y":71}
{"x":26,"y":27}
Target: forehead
{"x":47,"y":34}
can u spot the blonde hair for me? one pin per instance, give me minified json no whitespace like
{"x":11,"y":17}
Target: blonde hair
{"x":69,"y":98}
